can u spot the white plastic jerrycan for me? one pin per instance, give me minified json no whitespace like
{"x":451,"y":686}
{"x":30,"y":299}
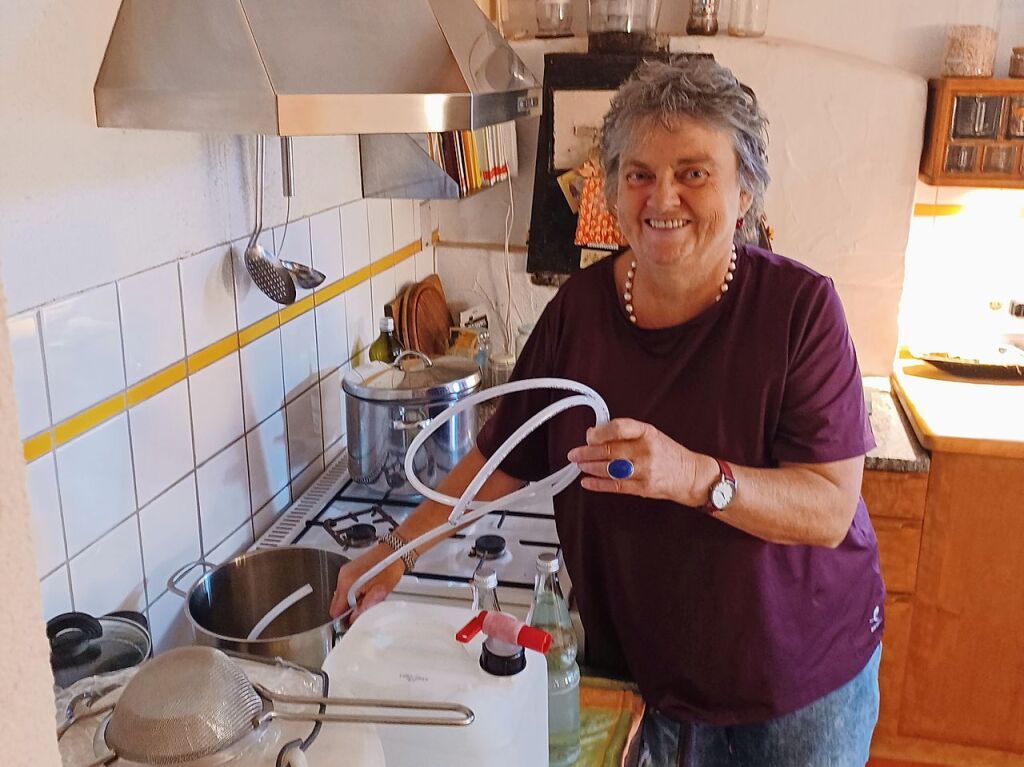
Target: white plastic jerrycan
{"x":405,"y":651}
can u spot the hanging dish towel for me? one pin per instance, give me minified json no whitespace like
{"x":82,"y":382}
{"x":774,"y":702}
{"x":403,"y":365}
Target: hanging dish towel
{"x":597,"y":226}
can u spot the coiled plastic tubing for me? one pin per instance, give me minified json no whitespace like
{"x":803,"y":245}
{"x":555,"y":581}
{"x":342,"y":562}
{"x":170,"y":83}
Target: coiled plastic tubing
{"x":466,"y":508}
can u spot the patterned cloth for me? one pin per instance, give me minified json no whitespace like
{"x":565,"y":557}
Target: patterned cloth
{"x":597,"y":226}
{"x":610,"y":717}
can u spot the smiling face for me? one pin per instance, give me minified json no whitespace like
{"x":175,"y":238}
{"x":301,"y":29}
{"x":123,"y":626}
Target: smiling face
{"x":679,"y":194}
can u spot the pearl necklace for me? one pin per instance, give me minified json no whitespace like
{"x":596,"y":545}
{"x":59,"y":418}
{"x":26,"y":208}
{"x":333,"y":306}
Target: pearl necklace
{"x":627,"y":293}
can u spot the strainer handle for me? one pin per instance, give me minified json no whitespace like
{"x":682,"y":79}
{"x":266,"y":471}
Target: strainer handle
{"x":467,"y":715}
{"x":178,"y":575}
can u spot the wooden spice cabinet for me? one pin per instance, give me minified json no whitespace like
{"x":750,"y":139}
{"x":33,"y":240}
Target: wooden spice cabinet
{"x":974,"y":133}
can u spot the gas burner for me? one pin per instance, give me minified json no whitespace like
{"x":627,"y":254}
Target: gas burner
{"x":360,"y":535}
{"x":357,"y":529}
{"x":488,"y":547}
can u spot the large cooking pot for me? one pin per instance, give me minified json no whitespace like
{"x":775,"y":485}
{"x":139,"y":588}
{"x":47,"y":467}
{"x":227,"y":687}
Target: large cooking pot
{"x":388,"y":405}
{"x":226,"y":603}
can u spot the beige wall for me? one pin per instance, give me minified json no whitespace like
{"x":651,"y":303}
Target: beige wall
{"x":27,"y":729}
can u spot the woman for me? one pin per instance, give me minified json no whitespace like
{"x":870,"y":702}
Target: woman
{"x":720,"y":553}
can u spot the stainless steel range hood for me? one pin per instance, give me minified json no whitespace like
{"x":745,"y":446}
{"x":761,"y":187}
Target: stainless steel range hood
{"x":309,"y":67}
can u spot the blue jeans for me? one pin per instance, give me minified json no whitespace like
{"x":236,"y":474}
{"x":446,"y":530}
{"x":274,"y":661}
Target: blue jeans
{"x":833,"y":731}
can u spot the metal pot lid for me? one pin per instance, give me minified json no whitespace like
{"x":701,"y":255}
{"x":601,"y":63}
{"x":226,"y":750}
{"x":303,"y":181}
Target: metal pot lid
{"x":413,"y":376}
{"x":82,"y":646}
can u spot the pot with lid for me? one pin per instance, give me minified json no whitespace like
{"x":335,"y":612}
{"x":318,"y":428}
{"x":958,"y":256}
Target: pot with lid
{"x":83,"y":646}
{"x":388,"y":405}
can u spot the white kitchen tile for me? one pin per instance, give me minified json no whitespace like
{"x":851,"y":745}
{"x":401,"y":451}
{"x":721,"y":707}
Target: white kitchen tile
{"x":362,"y":326}
{"x":223,"y":494}
{"x":332,"y":452}
{"x":47,"y":525}
{"x":269,"y":514}
{"x":208,"y":297}
{"x":55,"y":593}
{"x":332,"y":334}
{"x":262,"y":378}
{"x":82,"y":349}
{"x":108,"y":575}
{"x":305,"y":438}
{"x":325,"y":241}
{"x":161,"y":441}
{"x":421,"y":220}
{"x":235,"y":544}
{"x":405,"y":273}
{"x":94,"y":474}
{"x":296,"y":247}
{"x":170,"y":537}
{"x":251,"y":304}
{"x":331,"y":409}
{"x":384,"y":289}
{"x":168,"y":624}
{"x":355,"y":236}
{"x":29,"y":377}
{"x":403,"y":222}
{"x":215,"y":394}
{"x":307,"y":476}
{"x":267,"y":446}
{"x":378,"y":219}
{"x":425,"y":263}
{"x":151,"y":321}
{"x":298,"y":348}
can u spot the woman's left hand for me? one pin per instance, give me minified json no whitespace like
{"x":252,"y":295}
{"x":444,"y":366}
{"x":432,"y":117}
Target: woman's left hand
{"x":662,"y":468}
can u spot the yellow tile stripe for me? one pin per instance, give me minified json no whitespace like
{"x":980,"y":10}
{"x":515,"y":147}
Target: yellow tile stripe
{"x":157,"y":383}
{"x":923,"y":210}
{"x":40,"y":444}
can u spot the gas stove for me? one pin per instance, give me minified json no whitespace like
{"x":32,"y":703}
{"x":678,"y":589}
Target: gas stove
{"x":341,"y":515}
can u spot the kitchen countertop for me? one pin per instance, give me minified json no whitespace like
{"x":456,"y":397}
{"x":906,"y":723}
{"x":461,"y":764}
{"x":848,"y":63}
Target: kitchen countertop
{"x":897,"y":447}
{"x":960,"y":415}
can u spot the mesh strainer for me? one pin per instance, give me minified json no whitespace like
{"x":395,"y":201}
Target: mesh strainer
{"x":194,"y":702}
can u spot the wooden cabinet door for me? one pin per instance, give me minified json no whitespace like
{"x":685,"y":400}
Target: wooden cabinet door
{"x":898,"y":612}
{"x":965,"y":664}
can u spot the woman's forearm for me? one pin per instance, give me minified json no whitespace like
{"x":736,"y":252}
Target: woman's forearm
{"x":793,"y":504}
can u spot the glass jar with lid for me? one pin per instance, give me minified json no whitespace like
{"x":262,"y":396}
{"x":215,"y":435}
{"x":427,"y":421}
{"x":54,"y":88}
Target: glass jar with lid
{"x":615,"y":26}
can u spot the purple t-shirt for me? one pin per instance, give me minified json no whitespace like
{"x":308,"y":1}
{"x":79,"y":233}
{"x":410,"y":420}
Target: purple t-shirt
{"x":714,"y":624}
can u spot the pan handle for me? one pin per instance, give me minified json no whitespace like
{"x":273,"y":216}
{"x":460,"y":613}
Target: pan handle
{"x":178,"y":575}
{"x":412,"y":353}
{"x":465,"y":714}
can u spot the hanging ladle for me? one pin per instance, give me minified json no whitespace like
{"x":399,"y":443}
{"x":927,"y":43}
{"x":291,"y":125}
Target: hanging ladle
{"x":269,"y":276}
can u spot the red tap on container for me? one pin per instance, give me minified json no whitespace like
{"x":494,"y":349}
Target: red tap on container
{"x":506,"y":628}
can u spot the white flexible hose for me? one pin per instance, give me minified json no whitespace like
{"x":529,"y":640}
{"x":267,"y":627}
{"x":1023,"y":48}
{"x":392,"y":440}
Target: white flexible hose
{"x":466,"y":509}
{"x":276,"y":610}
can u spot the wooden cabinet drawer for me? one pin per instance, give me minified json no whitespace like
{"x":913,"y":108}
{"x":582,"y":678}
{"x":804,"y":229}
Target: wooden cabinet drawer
{"x":893,"y":668}
{"x":895,"y":494}
{"x":899,"y":546}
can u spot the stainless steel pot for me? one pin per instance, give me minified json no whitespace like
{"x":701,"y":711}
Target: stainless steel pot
{"x":388,"y":405}
{"x":226,"y":603}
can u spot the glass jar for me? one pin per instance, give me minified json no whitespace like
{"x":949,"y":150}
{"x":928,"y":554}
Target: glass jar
{"x":1017,"y":63}
{"x":554,"y":18}
{"x":703,"y":18}
{"x":623,"y":26}
{"x":748,"y":18}
{"x":516,"y":19}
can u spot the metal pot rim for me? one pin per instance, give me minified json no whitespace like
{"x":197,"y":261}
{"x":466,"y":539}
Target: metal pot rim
{"x":335,"y":622}
{"x":449,"y":379}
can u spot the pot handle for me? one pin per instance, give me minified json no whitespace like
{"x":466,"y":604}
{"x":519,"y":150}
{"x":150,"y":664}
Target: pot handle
{"x":338,"y":626}
{"x":412,"y":353}
{"x":178,"y":575}
{"x":71,"y":633}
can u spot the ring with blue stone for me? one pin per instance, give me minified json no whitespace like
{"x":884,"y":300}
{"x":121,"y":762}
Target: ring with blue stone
{"x":620,"y":468}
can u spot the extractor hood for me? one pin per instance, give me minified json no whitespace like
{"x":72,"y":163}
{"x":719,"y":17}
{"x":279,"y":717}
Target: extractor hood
{"x":309,"y":67}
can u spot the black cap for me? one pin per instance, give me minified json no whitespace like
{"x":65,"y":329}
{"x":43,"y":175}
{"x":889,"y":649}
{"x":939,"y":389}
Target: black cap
{"x":502,"y":665}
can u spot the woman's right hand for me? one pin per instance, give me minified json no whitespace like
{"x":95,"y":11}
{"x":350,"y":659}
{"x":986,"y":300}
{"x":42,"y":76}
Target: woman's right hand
{"x":371,"y":592}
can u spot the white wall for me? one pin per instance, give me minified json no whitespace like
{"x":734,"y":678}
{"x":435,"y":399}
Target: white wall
{"x":906,"y":37}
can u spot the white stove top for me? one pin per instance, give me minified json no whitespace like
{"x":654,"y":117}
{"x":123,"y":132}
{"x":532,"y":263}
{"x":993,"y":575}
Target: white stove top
{"x":337,"y":514}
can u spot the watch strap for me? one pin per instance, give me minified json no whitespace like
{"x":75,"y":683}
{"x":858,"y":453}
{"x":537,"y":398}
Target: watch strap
{"x":396,"y":542}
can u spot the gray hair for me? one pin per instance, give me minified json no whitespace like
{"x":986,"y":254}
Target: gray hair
{"x":699,"y":88}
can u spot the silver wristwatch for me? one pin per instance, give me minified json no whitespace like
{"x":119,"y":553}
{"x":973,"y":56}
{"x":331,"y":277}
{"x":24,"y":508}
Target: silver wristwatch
{"x":395,"y":541}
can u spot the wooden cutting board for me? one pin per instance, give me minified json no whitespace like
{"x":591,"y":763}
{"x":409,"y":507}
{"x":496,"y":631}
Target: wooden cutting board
{"x":426,"y":317}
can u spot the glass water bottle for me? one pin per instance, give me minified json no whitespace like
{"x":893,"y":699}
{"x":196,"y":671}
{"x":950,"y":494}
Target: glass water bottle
{"x":551,"y":613}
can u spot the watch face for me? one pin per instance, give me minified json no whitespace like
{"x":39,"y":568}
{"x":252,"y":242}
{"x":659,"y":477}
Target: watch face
{"x":721,"y":495}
